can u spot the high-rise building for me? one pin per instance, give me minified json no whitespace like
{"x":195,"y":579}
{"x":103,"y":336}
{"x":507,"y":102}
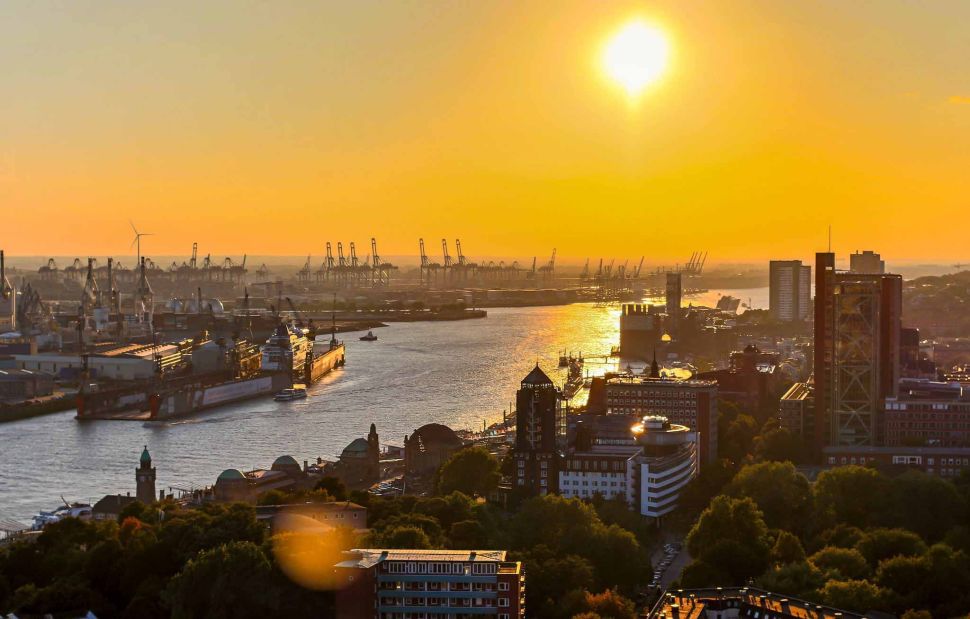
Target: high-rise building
{"x":145,"y":479}
{"x":866,"y":262}
{"x":418,"y":584}
{"x":645,"y":462}
{"x":857,"y":336}
{"x":789,"y":290}
{"x":692,"y":403}
{"x":540,"y":426}
{"x":674,"y":292}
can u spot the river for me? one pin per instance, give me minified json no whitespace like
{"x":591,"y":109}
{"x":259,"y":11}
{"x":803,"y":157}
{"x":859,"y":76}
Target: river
{"x":456,"y":373}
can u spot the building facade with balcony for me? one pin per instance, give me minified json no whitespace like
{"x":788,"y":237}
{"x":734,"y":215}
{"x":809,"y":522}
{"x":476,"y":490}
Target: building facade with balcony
{"x":429,"y":584}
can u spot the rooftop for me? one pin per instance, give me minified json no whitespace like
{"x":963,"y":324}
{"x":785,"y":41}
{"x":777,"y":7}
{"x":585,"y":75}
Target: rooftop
{"x":369,"y":557}
{"x":749,"y":602}
{"x":661,"y":382}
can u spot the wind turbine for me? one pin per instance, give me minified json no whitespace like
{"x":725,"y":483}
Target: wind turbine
{"x":137,"y":241}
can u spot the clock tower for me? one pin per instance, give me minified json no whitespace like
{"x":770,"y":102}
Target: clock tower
{"x":145,"y":479}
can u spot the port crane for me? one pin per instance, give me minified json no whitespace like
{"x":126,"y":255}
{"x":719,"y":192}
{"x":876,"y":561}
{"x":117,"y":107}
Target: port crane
{"x":547,"y":271}
{"x":381,"y":271}
{"x":303,"y":275}
{"x":447,"y":257}
{"x":427,"y":268}
{"x":584,"y":275}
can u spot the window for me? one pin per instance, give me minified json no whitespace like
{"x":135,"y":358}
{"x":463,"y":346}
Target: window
{"x":503,"y":602}
{"x":503,"y":586}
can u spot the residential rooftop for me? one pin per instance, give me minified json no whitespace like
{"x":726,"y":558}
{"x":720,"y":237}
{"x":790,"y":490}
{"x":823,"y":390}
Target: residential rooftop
{"x":744,"y":602}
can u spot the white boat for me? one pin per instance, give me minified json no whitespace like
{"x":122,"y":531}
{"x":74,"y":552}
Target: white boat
{"x":370,"y":337}
{"x":297,"y":393}
{"x":286,"y":350}
{"x":68,"y":510}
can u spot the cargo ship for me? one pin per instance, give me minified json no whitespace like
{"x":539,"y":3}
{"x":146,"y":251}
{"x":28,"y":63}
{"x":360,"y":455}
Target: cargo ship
{"x":221,"y":374}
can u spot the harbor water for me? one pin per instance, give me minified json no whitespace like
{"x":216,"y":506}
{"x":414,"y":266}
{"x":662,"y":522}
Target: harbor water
{"x":460,"y":373}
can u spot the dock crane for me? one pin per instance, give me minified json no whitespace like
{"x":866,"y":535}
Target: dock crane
{"x":636,"y":274}
{"x":341,"y":263}
{"x":303,"y":274}
{"x":447,"y":257}
{"x":548,"y":270}
{"x":584,"y":275}
{"x":301,"y":322}
{"x":381,"y":272}
{"x":193,"y":262}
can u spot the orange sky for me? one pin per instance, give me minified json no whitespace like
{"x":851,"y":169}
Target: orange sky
{"x":270,"y":128}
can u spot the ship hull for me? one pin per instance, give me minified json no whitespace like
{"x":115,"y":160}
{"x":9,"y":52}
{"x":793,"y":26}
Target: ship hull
{"x":323,"y":363}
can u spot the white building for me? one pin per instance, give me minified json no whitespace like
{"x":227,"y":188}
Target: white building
{"x":647,"y":462}
{"x":789,"y":290}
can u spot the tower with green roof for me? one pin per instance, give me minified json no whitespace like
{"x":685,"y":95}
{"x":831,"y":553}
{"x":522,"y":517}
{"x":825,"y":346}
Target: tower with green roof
{"x":145,"y":478}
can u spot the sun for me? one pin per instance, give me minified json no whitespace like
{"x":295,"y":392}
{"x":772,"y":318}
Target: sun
{"x":636,"y":56}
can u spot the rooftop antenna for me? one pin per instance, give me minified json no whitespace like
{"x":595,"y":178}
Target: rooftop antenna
{"x":137,"y":240}
{"x":830,"y":238}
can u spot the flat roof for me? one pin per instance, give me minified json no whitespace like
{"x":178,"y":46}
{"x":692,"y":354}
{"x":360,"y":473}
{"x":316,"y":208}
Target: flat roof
{"x":692,"y":604}
{"x":369,"y":557}
{"x":657,"y":382}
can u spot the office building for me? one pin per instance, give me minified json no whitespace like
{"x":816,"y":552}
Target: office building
{"x":645,"y":462}
{"x":540,"y":428}
{"x":857,"y":348}
{"x":789,"y":290}
{"x":796,"y":410}
{"x":866,"y":262}
{"x":426,"y":584}
{"x":927,"y":413}
{"x":691,"y":403}
{"x":641,"y":327}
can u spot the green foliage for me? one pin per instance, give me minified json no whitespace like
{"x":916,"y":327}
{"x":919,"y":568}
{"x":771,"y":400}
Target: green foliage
{"x":731,"y":534}
{"x":292,"y":497}
{"x":610,"y":605}
{"x":925,"y":504}
{"x":779,"y":445}
{"x":787,"y":549}
{"x":709,"y":483}
{"x":801,"y":579}
{"x":333,"y":486}
{"x":841,"y":563}
{"x":404,"y":536}
{"x":467,"y":534}
{"x":781,"y":493}
{"x":554,"y":580}
{"x":917,"y":614}
{"x":472,"y":471}
{"x":856,"y":595}
{"x":841,"y":535}
{"x":226,"y":582}
{"x":879,"y":544}
{"x":851,"y":495}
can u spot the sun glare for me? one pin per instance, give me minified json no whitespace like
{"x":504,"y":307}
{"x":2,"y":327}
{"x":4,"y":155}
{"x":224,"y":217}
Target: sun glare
{"x":636,"y":56}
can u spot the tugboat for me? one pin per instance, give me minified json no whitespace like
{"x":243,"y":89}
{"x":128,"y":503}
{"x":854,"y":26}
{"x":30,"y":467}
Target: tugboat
{"x":296,"y":393}
{"x":370,"y":337}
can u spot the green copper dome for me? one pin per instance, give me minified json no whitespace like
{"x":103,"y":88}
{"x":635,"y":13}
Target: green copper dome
{"x":145,"y":456}
{"x":230,"y":474}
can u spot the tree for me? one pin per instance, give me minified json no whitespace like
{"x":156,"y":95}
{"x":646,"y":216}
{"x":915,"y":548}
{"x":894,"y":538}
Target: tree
{"x":731,"y":534}
{"x":472,"y":471}
{"x":230,"y":581}
{"x":850,"y":494}
{"x":905,"y":576}
{"x":467,"y":534}
{"x":855,"y":595}
{"x":917,"y":614}
{"x":879,"y":544}
{"x":801,"y":579}
{"x":781,"y":493}
{"x":610,"y":605}
{"x":779,"y":445}
{"x":787,"y":549}
{"x":737,"y":437}
{"x":405,"y":537}
{"x":925,"y":504}
{"x":841,"y":535}
{"x":333,"y":486}
{"x":841,"y":563}
{"x":551,"y":579}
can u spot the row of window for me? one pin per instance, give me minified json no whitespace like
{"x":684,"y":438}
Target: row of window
{"x":439,"y":567}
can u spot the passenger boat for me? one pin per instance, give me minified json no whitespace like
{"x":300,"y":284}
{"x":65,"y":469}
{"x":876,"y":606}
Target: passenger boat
{"x":68,"y":510}
{"x":370,"y":337}
{"x":296,"y":393}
